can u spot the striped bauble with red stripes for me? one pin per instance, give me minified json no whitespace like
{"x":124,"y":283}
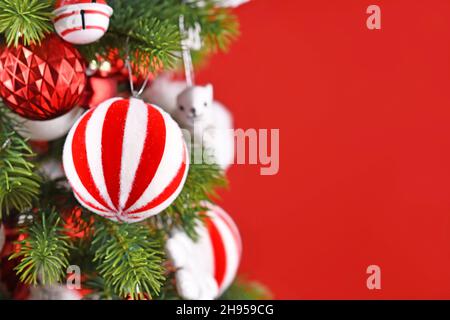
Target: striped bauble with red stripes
{"x":81,"y":21}
{"x":206,"y":267}
{"x":126,"y":160}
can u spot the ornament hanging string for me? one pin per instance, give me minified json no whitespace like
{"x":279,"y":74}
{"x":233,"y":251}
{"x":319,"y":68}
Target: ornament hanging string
{"x":186,"y":52}
{"x":134,"y":93}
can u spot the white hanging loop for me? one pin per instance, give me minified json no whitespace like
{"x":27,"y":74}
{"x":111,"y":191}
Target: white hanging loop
{"x":134,"y":93}
{"x":186,"y":52}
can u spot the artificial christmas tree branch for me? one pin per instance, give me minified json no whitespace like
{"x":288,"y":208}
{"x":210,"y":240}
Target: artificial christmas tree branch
{"x":129,"y":258}
{"x":148,"y":31}
{"x":44,"y":251}
{"x":19,"y":183}
{"x":26,"y":21}
{"x":199,"y":187}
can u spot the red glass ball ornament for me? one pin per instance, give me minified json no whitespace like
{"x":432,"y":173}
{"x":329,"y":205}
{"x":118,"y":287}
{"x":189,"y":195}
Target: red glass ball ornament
{"x":42,"y":82}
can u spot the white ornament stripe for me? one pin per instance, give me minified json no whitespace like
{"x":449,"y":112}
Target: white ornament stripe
{"x":133,"y":145}
{"x":170,"y":160}
{"x":93,"y":140}
{"x":69,"y":169}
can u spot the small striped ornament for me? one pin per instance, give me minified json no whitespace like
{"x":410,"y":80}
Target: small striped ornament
{"x":81,"y":21}
{"x":126,"y":160}
{"x":207,"y":267}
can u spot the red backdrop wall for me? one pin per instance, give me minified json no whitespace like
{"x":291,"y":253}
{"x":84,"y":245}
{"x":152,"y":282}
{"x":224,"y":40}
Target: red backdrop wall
{"x":364,"y":119}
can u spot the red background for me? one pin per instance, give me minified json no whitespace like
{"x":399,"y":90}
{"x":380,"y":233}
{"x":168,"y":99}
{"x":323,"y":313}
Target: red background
{"x":365,"y":146}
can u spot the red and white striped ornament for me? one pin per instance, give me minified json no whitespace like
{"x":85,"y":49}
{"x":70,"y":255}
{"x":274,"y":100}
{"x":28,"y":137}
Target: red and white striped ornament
{"x":206,"y":268}
{"x":126,"y":160}
{"x":82,"y":21}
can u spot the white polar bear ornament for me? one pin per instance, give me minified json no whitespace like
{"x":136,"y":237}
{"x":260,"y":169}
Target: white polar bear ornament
{"x":207,"y":267}
{"x":163,"y":92}
{"x":208,"y":121}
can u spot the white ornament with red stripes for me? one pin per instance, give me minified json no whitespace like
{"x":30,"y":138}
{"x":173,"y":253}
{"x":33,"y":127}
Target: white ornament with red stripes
{"x":206,"y":268}
{"x":126,"y":160}
{"x":82,"y":21}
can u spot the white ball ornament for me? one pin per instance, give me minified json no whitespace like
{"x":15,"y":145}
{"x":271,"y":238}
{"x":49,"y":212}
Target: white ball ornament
{"x":206,"y":268}
{"x":230,"y":3}
{"x":47,"y":130}
{"x":82,"y":21}
{"x":126,"y":160}
{"x":54,"y":292}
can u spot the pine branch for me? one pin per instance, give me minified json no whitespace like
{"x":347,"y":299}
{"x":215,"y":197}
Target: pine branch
{"x":44,"y":251}
{"x":219,"y":25}
{"x":19,"y":183}
{"x":25,"y":21}
{"x":128,"y":258}
{"x":99,"y":289}
{"x":149,"y":31}
{"x":184,"y":211}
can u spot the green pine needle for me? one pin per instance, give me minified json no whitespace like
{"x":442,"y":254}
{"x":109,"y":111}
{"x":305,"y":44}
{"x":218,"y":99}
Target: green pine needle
{"x":19,"y":183}
{"x":149,"y":31}
{"x":128,"y":258}
{"x":200,"y":184}
{"x":25,"y":21}
{"x":44,"y":252}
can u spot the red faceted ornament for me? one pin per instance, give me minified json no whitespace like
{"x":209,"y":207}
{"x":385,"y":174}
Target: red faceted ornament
{"x":42,"y":82}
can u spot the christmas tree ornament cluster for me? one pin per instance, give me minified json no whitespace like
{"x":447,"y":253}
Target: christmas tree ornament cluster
{"x":42,"y":81}
{"x":82,"y":21}
{"x":126,"y":160}
{"x":206,"y":267}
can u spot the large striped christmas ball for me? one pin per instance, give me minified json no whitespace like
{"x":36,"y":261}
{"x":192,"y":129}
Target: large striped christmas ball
{"x":207,"y":267}
{"x":126,"y":160}
{"x":82,"y":21}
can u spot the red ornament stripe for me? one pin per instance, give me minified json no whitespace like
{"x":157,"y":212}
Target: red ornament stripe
{"x":68,"y":31}
{"x":169,"y":190}
{"x":151,"y":156}
{"x":62,"y":3}
{"x":220,"y":255}
{"x":113,"y":125}
{"x":77,"y":12}
{"x":80,"y":161}
{"x":231,"y":226}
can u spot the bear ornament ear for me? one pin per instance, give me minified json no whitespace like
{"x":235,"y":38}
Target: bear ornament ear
{"x":210,"y":90}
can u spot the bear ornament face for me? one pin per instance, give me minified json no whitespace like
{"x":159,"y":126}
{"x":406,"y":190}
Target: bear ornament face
{"x":194,"y":107}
